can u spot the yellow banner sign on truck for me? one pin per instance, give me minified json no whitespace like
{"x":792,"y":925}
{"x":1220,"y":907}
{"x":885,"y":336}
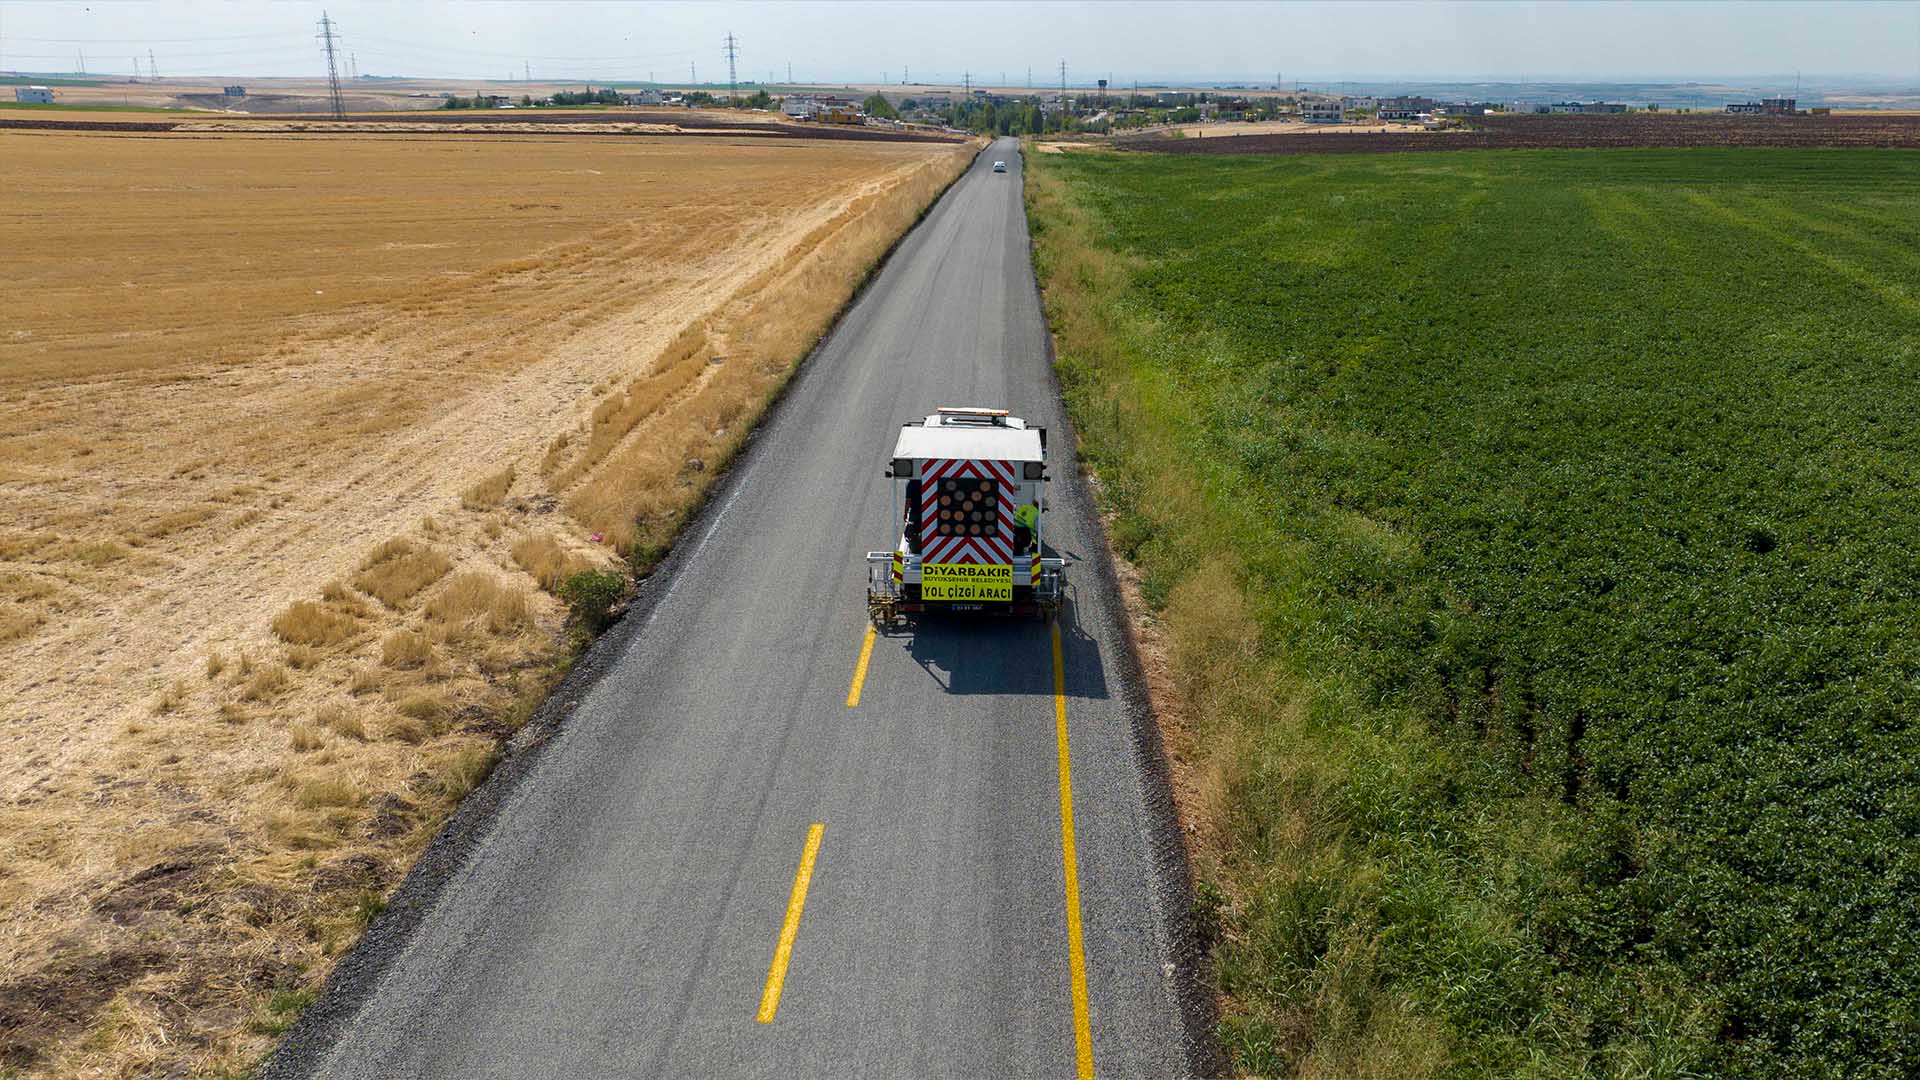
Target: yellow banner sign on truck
{"x":966,"y":581}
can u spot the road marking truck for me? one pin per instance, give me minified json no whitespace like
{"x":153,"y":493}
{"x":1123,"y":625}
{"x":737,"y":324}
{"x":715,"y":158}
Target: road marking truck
{"x":970,"y":487}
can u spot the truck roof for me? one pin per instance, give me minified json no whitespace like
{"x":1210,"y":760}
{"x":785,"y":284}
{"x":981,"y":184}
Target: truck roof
{"x":974,"y":434}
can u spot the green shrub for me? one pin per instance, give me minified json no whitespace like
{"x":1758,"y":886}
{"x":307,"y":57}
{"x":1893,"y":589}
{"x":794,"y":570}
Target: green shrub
{"x":590,"y":596}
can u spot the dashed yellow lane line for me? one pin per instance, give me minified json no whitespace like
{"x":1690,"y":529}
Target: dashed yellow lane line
{"x":860,"y":670}
{"x":777,"y":973}
{"x":1076,"y":954}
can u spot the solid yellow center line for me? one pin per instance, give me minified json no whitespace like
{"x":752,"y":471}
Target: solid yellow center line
{"x":1076,"y":954}
{"x":860,"y":670}
{"x":777,"y":974}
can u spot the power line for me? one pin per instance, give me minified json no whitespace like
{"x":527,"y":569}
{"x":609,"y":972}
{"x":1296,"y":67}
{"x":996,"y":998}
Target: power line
{"x":455,"y":50}
{"x":256,"y":53}
{"x":733,"y":53}
{"x":333,"y":70}
{"x":153,"y":69}
{"x":143,"y":41}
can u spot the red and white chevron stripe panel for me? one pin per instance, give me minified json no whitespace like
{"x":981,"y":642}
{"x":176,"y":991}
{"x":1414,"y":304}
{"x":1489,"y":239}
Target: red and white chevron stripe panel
{"x":966,"y":511}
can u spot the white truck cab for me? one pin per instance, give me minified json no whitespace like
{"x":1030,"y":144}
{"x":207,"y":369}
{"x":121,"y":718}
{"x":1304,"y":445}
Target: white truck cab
{"x":970,"y":485}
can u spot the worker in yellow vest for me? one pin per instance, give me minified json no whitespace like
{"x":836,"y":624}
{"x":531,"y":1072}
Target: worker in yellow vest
{"x":1026,"y":527}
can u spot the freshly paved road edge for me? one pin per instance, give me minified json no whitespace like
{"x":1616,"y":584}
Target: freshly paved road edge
{"x":1199,"y":1009}
{"x":358,"y":974}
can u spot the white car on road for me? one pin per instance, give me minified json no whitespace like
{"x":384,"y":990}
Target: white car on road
{"x":999,"y":166}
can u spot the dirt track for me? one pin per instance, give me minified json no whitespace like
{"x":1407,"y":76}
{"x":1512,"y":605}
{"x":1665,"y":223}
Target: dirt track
{"x":1575,"y":132}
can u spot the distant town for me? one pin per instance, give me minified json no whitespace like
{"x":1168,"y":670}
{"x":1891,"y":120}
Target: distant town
{"x":1096,"y":110}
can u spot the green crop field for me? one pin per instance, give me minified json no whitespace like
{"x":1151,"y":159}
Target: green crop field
{"x":1537,"y":537}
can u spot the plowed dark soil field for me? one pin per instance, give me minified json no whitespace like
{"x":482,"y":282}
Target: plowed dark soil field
{"x":1527,"y":132}
{"x":488,"y":121}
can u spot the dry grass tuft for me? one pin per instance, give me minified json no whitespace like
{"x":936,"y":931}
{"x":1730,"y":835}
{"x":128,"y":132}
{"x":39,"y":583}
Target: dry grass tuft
{"x":303,"y":657}
{"x":215,"y":665}
{"x":26,"y":587}
{"x":477,"y":601}
{"x":341,"y":721}
{"x":406,"y":729}
{"x":428,"y":705}
{"x":305,"y":739}
{"x":489,"y":492}
{"x":235,"y":714}
{"x":550,"y":563}
{"x":463,"y":771}
{"x":18,"y":622}
{"x":308,"y":623}
{"x":172,"y":698}
{"x":268,"y":683}
{"x":94,"y":553}
{"x":397,"y":570}
{"x":405,"y":649}
{"x":556,"y":451}
{"x":299,"y":832}
{"x":313,"y":791}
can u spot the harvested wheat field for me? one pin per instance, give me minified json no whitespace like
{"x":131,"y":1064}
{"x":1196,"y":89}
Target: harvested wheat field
{"x":297,"y":436}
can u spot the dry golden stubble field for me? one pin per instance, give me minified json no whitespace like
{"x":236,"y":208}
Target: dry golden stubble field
{"x":292,"y":433}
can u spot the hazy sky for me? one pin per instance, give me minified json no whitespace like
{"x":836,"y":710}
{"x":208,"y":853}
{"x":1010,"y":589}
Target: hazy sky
{"x":1513,"y":40}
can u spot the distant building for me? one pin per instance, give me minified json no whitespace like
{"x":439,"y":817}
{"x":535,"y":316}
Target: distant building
{"x":1781,"y":106}
{"x":817,"y":107}
{"x":33,"y":95}
{"x":1323,"y":112}
{"x":645,"y":97}
{"x":234,"y":91}
{"x":1399,"y":114}
{"x":1408,"y":105}
{"x":1579,"y":107}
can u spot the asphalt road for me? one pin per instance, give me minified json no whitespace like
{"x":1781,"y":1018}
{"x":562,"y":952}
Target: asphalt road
{"x":618,"y":911}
